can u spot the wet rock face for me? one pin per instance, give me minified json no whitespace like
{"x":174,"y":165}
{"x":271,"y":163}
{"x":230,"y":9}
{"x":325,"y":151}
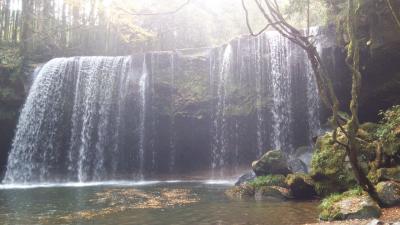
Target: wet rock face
{"x":272,"y":162}
{"x":379,"y":58}
{"x":389,"y":192}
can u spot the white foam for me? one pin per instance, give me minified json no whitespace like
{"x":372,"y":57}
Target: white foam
{"x":110,"y":183}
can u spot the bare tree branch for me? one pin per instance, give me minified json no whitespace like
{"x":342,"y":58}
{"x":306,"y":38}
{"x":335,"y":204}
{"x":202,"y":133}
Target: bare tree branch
{"x":248,"y":22}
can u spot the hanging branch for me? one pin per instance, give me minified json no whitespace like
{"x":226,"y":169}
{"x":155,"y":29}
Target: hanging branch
{"x":248,"y":22}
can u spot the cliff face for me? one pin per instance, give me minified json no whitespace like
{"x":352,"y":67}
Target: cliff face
{"x":381,"y":70}
{"x":380,"y":42}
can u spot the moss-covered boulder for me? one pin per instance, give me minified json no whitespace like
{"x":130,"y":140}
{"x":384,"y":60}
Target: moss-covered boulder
{"x":389,"y":193}
{"x":272,"y":193}
{"x":388,"y":173}
{"x":269,"y":180}
{"x":240,"y":192}
{"x":301,"y":186}
{"x":272,"y":162}
{"x":329,"y":169}
{"x":353,"y":204}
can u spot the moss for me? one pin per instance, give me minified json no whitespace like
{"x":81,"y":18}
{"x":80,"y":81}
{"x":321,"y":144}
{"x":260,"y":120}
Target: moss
{"x":388,"y":173}
{"x":301,"y":185}
{"x":389,"y":131}
{"x":269,"y":180}
{"x":329,"y":169}
{"x":373,"y":174}
{"x":327,"y":209}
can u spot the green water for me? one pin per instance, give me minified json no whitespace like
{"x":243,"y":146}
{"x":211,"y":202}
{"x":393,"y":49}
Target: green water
{"x":157,"y":203}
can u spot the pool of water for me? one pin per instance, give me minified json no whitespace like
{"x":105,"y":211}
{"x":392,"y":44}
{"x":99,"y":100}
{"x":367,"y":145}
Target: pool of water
{"x":142,"y":203}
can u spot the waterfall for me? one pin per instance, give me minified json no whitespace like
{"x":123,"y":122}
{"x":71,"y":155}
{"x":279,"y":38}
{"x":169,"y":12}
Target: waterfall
{"x":172,"y":157}
{"x":165,"y":113}
{"x":313,"y":101}
{"x":280,"y":79}
{"x":219,"y":148}
{"x":46,"y":143}
{"x":143,"y":86}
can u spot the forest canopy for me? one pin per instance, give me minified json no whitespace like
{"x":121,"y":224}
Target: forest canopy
{"x":51,"y":28}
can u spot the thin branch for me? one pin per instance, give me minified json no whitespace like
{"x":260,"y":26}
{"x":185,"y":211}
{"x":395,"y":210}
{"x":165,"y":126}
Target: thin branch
{"x":183,"y":5}
{"x":248,"y":22}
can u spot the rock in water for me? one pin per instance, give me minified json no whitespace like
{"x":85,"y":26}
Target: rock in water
{"x":249,"y":176}
{"x":301,"y":186}
{"x":272,"y":162}
{"x":389,"y":192}
{"x":272,"y":193}
{"x":240,"y":192}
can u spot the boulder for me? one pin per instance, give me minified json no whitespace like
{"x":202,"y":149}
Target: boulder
{"x":353,"y":204}
{"x":389,"y":173}
{"x":389,"y":192}
{"x":272,"y":162}
{"x":297,"y":166}
{"x":272,"y":193}
{"x":249,"y":176}
{"x":329,"y":169}
{"x":240,"y":192}
{"x":301,"y":186}
{"x":269,"y":180}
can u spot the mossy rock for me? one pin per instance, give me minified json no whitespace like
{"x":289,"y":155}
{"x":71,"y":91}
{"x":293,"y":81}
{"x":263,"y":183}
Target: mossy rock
{"x":329,"y":169}
{"x":272,"y":162}
{"x":389,"y":193}
{"x":272,"y":193}
{"x":241,"y":191}
{"x":388,"y":173}
{"x":269,"y":180}
{"x":353,"y":204}
{"x":301,"y":186}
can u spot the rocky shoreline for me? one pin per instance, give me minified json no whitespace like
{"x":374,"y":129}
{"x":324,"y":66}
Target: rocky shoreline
{"x":277,"y":177}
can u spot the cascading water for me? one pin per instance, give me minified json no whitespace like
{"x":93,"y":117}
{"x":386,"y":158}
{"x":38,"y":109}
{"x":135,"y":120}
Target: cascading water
{"x":116,"y":118}
{"x":143,"y":86}
{"x":172,"y":155}
{"x":219,"y":147}
{"x":281,"y":83}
